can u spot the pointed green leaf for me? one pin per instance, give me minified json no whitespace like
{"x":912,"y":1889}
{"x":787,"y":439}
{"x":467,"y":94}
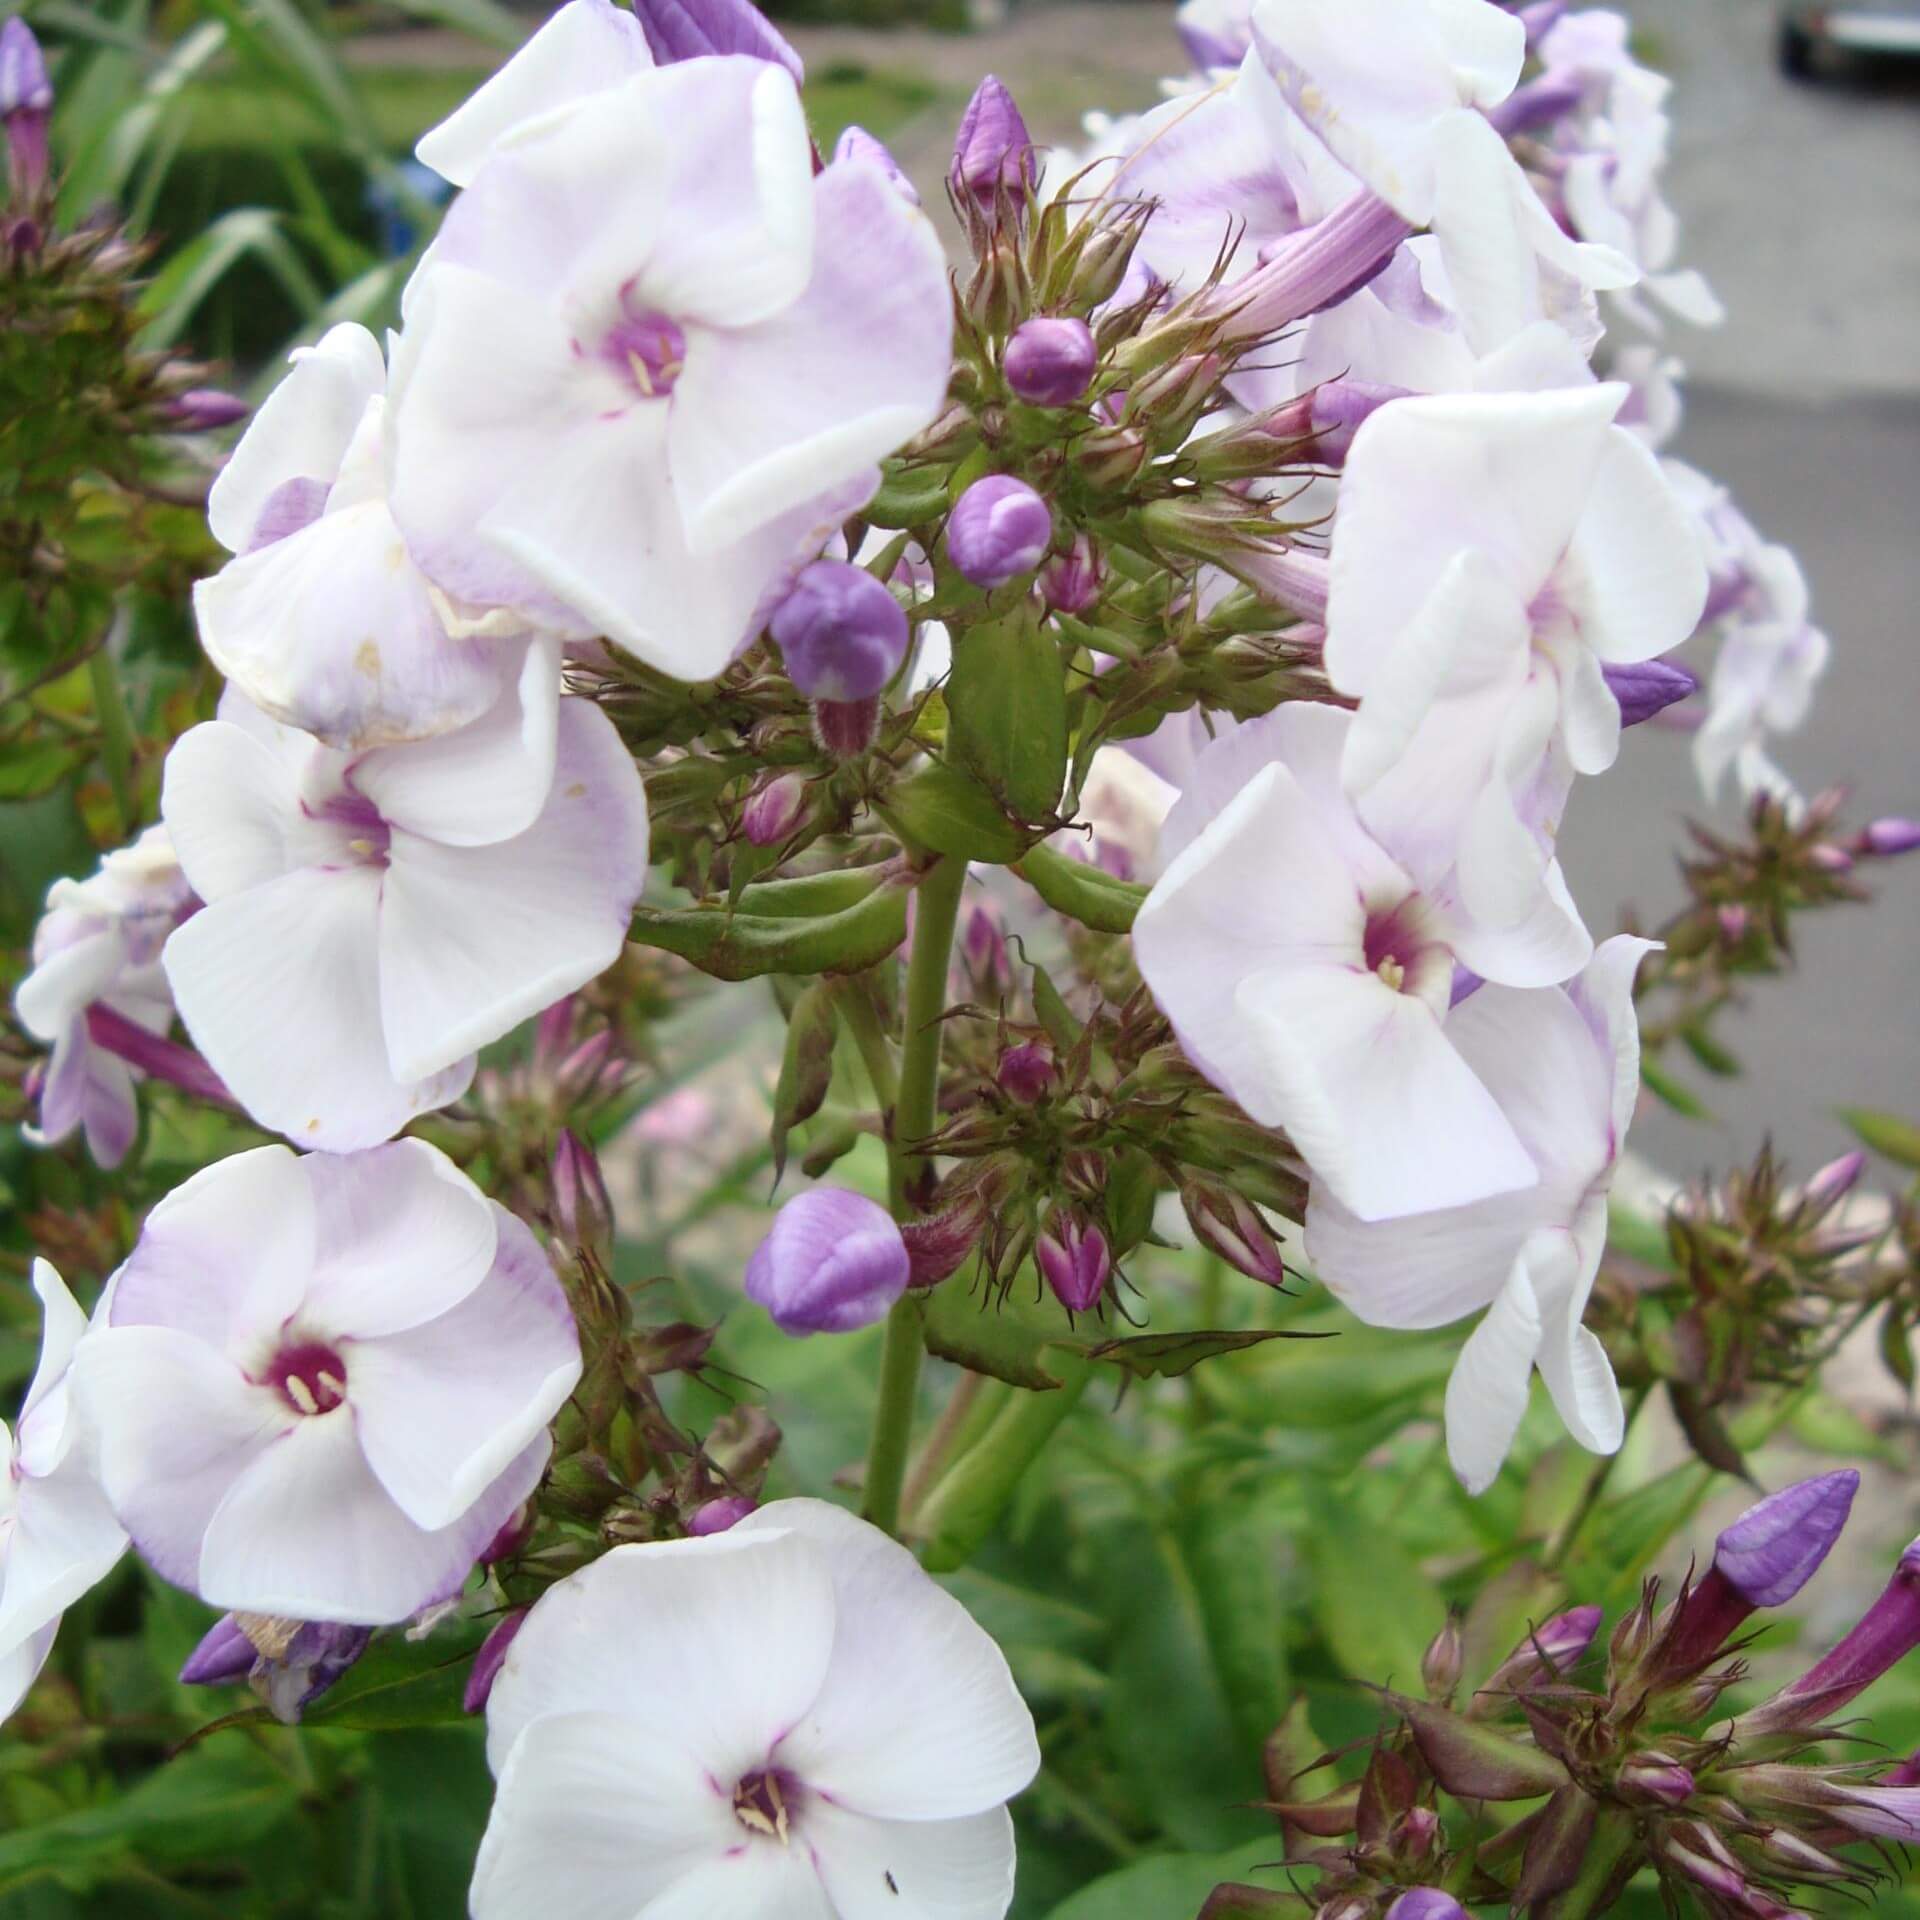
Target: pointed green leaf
{"x":1007,"y":702}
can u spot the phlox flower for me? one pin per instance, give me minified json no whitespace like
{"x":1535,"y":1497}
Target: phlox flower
{"x":1564,"y":1066}
{"x":320,"y":1384}
{"x":58,"y":1536}
{"x":372,"y":919}
{"x":98,"y":944}
{"x":1309,"y":977}
{"x":652,"y":360}
{"x":322,"y":620}
{"x":1492,"y":553}
{"x":785,"y":1721}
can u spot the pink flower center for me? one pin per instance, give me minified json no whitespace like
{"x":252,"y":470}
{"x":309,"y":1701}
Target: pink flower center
{"x":765,"y":1802}
{"x":649,"y":351}
{"x":310,"y":1377}
{"x":1395,"y":943}
{"x":364,"y":836}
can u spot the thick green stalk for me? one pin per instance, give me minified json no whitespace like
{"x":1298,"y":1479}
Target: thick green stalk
{"x":936,"y":912}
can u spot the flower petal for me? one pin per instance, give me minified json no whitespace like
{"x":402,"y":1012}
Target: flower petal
{"x":703,"y":1602}
{"x":472,"y":940}
{"x":918,"y":1717}
{"x":1487,"y":1393}
{"x":401,"y":1236}
{"x":301,"y":431}
{"x":913,"y":1869}
{"x":445,"y":1405}
{"x":595,"y":1815}
{"x":280,"y":989}
{"x":767,"y":417}
{"x":487,"y":781}
{"x":584,"y":47}
{"x":21,"y":1668}
{"x":226,"y":1257}
{"x":751,"y":1883}
{"x":308,"y":1532}
{"x":65,"y":1540}
{"x":175,"y":1423}
{"x":227,"y":798}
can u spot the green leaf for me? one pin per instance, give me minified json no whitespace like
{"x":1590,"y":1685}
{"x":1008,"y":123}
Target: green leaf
{"x":1372,"y":1604}
{"x":1709,"y":1052}
{"x":1171,"y":1886}
{"x":1007,"y":708}
{"x":1638,"y":1237}
{"x":1671,"y":1092}
{"x":1003,"y":1335}
{"x":174,"y":294}
{"x":1167,"y":1356}
{"x":743,"y":944}
{"x":1886,"y":1134}
{"x":36,"y":767}
{"x":949,"y":811}
{"x":1237,"y":1550}
{"x":1082,"y":892}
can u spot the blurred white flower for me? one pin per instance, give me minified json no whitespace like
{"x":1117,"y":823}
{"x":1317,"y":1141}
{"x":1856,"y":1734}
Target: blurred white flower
{"x":321,"y":1384}
{"x":98,"y":944}
{"x":58,"y":1536}
{"x":787,"y":1720}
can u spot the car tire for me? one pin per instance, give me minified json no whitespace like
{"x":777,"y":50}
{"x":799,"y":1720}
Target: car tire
{"x":1796,"y":51}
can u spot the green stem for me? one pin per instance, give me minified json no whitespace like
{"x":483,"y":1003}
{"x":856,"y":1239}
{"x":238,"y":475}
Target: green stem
{"x":116,"y":733}
{"x":936,"y":912}
{"x":1595,"y":1487}
{"x":876,"y":1052}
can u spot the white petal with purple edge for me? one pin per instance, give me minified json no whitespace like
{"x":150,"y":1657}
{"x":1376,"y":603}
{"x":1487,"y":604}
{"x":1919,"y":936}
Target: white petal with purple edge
{"x":913,"y":1869}
{"x":443,"y":1407}
{"x":1487,"y":1393}
{"x":475,"y":939}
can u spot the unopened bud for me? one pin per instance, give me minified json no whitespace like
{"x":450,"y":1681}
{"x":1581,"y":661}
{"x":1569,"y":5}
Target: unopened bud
{"x":1426,"y":1903}
{"x":774,"y":809}
{"x":1734,"y":923}
{"x":1112,"y":457}
{"x":993,"y":152}
{"x":586,"y":1064}
{"x":1441,"y":1664}
{"x":1074,"y":1260}
{"x":1829,"y":859}
{"x":225,"y":1655}
{"x":1419,"y":1830}
{"x":1049,"y":362}
{"x":26,"y":106}
{"x":1104,"y":262}
{"x":1070,"y":581}
{"x":581,"y":1210}
{"x":983,"y":950}
{"x":1657,"y":1777}
{"x":833,"y":1261}
{"x":1648,"y":687}
{"x":206,"y":410}
{"x":1026,"y":1072}
{"x":1551,"y":1649}
{"x":846,"y":729}
{"x":1226,"y":1223}
{"x":939,"y":1244}
{"x":513,"y":1534}
{"x":716,"y":1516}
{"x":1836,"y":1179}
{"x":490,"y":1659}
{"x":999,"y":530}
{"x":1883,"y":839}
{"x":840,"y":631}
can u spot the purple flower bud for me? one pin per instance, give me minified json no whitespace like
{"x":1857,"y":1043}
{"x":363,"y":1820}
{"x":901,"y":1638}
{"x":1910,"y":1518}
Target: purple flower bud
{"x":841,"y":632}
{"x":1657,"y":1776}
{"x":1829,"y":858}
{"x":551,"y":1032}
{"x":774,"y":809}
{"x":1885,"y":838}
{"x":581,"y":1209}
{"x":1648,"y":688}
{"x":1555,"y":1647}
{"x":1777,"y":1545}
{"x":1050,"y":362}
{"x":983,"y":950}
{"x":1441,"y":1664}
{"x":514,"y":1533}
{"x":1070,"y":581}
{"x":1888,"y":1633}
{"x":1074,"y":1260}
{"x":1540,"y":17}
{"x":1734,"y":923}
{"x":1426,"y":1903}
{"x":223,"y":1656}
{"x":993,"y":149}
{"x":686,"y":29}
{"x":1026,"y":1072}
{"x":716,"y":1516}
{"x":1313,"y":269}
{"x":1696,"y":1851}
{"x":998,"y":530}
{"x":1538,"y":104}
{"x":834,"y":1261}
{"x":1228,"y":1224}
{"x":1207,"y":49}
{"x":856,"y":143}
{"x":1762,"y":1560}
{"x":939,"y":1243}
{"x":26,"y":104}
{"x":1836,"y":1179}
{"x":206,"y":409}
{"x":490,"y":1659}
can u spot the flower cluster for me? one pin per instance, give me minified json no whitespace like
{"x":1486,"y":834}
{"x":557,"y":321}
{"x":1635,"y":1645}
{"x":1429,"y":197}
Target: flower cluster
{"x":1250,"y":550}
{"x":1638,"y":1768}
